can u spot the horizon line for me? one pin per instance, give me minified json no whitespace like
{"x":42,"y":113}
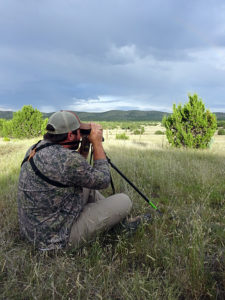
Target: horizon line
{"x":94,"y":112}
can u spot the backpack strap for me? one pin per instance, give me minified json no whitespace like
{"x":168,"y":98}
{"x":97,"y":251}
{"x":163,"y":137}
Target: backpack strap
{"x":36,"y":170}
{"x":34,"y":149}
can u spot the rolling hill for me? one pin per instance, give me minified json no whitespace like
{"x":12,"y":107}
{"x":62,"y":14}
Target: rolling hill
{"x":114,"y":115}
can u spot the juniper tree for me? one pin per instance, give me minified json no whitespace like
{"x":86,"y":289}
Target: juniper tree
{"x":1,"y":126}
{"x":27,"y":123}
{"x":6,"y":128}
{"x":43,"y":126}
{"x":190,"y":126}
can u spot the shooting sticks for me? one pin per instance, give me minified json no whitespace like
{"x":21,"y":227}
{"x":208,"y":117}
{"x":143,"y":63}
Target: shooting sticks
{"x":133,"y":186}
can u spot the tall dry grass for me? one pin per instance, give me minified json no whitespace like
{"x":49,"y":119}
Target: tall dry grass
{"x":180,"y":255}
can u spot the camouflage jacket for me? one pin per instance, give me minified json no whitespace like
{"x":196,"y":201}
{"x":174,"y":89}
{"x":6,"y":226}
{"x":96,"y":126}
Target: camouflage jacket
{"x":46,"y":212}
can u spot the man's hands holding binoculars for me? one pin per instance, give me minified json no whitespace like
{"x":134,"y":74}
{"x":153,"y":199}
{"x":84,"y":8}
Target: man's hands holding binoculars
{"x":94,"y":136}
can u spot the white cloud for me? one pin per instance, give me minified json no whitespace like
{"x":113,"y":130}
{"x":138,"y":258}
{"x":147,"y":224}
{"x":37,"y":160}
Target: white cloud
{"x":108,"y":102}
{"x":215,"y":109}
{"x":3,"y":108}
{"x":213,"y":57}
{"x":122,"y":55}
{"x":47,"y":108}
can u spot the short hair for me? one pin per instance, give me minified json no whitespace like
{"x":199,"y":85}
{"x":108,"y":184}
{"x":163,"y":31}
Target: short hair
{"x":56,"y":138}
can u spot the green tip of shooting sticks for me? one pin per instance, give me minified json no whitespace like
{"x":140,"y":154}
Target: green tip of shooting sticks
{"x":153,"y":205}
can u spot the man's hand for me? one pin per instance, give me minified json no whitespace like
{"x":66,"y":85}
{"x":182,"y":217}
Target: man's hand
{"x":95,"y":138}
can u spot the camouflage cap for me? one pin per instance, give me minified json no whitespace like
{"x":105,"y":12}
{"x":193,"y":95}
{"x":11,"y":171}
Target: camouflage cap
{"x":64,"y":121}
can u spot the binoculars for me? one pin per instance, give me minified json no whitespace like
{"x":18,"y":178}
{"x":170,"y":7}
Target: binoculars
{"x":85,"y":132}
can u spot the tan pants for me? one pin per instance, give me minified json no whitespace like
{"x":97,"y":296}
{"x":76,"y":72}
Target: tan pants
{"x":99,"y":214}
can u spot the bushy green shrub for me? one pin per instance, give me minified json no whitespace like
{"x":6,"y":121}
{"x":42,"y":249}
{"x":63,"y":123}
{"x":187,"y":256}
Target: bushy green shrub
{"x":6,"y":139}
{"x":7,"y":128}
{"x":122,"y":136}
{"x":43,"y":126}
{"x":1,"y":126}
{"x":159,"y":132}
{"x":139,"y":131}
{"x":221,"y":131}
{"x":27,"y":122}
{"x":221,"y":124}
{"x":190,"y":126}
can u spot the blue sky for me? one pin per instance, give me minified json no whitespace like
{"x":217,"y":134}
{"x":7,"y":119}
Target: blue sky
{"x":99,"y":55}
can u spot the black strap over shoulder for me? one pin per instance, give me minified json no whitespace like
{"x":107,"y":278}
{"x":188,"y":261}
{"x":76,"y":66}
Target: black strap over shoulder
{"x":37,"y":171}
{"x":37,"y":149}
{"x":50,"y":181}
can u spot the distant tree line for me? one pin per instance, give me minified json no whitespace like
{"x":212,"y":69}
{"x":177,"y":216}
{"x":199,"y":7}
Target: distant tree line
{"x":115,"y":116}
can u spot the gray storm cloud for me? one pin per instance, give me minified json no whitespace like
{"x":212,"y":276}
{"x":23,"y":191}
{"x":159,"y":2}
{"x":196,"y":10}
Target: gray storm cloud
{"x":53,"y":53}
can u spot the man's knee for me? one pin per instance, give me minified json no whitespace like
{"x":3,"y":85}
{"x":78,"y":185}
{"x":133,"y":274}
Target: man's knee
{"x":122,"y":202}
{"x":126,"y":200}
{"x":100,"y":216}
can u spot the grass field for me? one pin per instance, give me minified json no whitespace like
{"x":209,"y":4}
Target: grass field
{"x":180,"y":255}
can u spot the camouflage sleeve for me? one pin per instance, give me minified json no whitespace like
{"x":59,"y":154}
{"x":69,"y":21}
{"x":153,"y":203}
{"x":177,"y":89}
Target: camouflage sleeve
{"x":83,"y":174}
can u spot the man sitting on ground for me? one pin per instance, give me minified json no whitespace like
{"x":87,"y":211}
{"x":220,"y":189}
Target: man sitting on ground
{"x":58,"y":199}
